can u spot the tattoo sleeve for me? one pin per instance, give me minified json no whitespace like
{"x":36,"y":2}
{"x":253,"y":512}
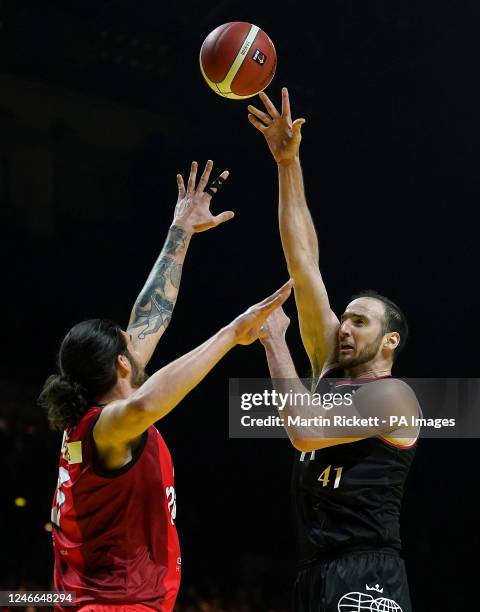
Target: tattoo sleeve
{"x":153,"y":308}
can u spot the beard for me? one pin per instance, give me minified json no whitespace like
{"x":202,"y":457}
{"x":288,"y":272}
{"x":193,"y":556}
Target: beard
{"x":139,"y":376}
{"x":368,"y":353}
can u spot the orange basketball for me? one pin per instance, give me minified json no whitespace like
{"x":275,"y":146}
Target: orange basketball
{"x":238,"y":60}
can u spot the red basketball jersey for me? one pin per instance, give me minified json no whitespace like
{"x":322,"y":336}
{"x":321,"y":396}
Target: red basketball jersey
{"x":114,"y":535}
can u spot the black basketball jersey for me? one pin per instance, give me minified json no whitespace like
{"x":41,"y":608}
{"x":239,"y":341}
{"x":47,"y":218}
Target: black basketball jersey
{"x":348,"y":496}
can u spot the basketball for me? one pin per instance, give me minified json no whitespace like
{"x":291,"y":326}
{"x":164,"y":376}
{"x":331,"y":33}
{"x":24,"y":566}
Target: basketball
{"x":238,"y":60}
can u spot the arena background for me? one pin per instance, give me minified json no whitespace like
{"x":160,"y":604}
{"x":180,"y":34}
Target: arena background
{"x":101,"y":104}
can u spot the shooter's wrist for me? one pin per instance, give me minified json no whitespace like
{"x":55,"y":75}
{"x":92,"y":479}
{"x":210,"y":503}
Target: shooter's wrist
{"x":180,"y":230}
{"x":291,"y":163}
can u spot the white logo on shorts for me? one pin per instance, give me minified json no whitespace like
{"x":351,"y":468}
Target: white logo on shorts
{"x":359,"y":602}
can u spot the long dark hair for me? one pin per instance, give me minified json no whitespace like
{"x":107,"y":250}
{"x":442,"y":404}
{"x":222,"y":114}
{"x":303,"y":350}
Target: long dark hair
{"x":86,"y":369}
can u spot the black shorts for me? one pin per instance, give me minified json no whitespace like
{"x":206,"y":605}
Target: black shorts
{"x":355,"y":582}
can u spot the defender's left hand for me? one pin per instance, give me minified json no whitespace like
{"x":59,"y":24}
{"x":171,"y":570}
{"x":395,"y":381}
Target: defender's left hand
{"x":192,"y":212}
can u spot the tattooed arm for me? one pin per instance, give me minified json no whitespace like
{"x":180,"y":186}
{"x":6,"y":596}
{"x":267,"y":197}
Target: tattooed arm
{"x":154,"y":306}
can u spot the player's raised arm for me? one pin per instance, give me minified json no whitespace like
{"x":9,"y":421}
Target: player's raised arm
{"x":122,"y":421}
{"x":154,"y":306}
{"x":318,"y":323}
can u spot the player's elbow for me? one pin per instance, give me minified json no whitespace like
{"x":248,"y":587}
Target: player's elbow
{"x":300,"y":443}
{"x":308,"y":445}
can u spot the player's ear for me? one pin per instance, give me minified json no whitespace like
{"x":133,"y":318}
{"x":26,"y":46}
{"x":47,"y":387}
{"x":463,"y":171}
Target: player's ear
{"x":123,"y":366}
{"x":391,"y":340}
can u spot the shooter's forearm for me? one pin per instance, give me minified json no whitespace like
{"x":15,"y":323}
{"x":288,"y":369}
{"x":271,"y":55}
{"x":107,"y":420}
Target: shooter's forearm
{"x":297,"y":231}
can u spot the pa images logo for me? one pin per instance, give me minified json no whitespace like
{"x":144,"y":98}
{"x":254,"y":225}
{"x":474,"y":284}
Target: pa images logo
{"x":359,"y":602}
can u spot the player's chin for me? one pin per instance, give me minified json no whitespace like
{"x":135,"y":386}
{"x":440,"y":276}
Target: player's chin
{"x":345,"y":359}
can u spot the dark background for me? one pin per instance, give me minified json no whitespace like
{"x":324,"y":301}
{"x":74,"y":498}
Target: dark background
{"x":101,"y":104}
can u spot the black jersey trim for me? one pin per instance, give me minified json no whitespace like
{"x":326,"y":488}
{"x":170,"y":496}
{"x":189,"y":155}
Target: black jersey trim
{"x":104,"y":473}
{"x":355,"y":382}
{"x":327,"y":374}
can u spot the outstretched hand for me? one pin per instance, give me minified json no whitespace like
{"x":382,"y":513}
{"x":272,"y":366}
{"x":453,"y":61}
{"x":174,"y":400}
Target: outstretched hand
{"x":247,"y":326}
{"x":192,"y":212}
{"x":275,"y":327}
{"x":282,"y":135}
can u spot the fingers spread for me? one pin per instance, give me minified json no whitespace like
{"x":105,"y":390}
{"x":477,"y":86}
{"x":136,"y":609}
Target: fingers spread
{"x":260,"y":114}
{"x":258,"y":124}
{"x":181,"y":186}
{"x":192,"y":177}
{"x":272,"y":111}
{"x":205,"y":176}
